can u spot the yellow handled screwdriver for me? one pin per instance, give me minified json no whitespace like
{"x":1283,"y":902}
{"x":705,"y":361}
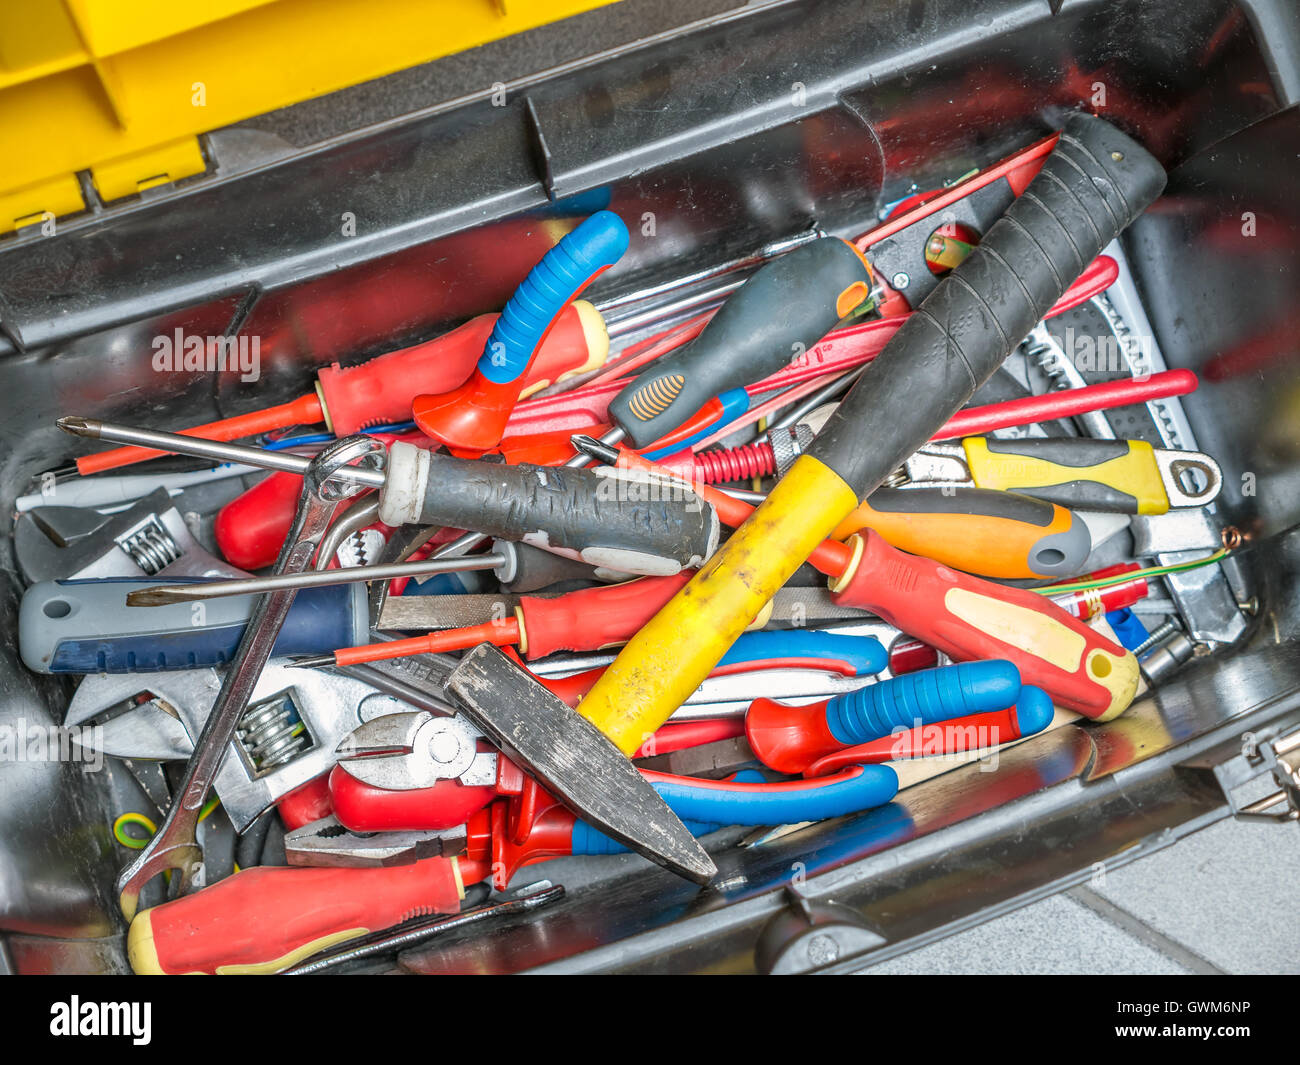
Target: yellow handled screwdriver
{"x":1092,"y":185}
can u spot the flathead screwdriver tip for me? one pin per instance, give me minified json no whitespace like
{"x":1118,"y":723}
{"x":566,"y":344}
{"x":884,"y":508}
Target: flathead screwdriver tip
{"x":160,"y":595}
{"x":79,"y":426}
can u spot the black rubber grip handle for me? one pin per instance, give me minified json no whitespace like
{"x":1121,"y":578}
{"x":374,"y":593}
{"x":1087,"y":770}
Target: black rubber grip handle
{"x":604,"y":517}
{"x":1093,"y":184}
{"x":529,"y":568}
{"x":783,"y":310}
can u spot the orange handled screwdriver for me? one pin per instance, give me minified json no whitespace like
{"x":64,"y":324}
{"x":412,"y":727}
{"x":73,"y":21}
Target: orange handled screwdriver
{"x":380,"y":391}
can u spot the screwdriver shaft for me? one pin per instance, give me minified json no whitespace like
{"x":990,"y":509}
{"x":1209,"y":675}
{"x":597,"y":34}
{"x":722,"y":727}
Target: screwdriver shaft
{"x":162,"y":594}
{"x":93,"y":429}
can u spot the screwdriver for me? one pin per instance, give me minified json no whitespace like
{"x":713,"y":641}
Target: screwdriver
{"x":781,"y":311}
{"x":612,"y":523}
{"x":380,"y":391}
{"x":1092,"y":185}
{"x":585,"y":620}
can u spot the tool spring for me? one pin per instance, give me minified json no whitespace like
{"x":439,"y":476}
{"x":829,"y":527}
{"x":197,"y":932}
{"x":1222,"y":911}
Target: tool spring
{"x":735,"y":464}
{"x":272,"y":733}
{"x":151,"y":547}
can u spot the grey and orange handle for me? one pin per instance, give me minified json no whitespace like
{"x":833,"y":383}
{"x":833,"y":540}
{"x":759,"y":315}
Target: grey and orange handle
{"x":783,"y":310}
{"x":990,"y":533}
{"x":1092,"y":185}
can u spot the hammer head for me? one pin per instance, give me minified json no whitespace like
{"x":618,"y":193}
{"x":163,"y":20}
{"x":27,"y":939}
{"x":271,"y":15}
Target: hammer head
{"x":574,"y":760}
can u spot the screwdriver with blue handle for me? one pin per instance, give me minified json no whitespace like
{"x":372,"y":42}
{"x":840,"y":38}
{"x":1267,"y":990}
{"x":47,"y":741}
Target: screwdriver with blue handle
{"x":1092,"y":185}
{"x":473,"y":417}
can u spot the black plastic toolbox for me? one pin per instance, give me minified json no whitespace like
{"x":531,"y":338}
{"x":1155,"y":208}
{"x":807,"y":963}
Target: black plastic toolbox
{"x":733,"y":135}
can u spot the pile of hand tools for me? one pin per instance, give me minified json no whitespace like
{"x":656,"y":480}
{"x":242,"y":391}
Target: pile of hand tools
{"x":527,"y":590}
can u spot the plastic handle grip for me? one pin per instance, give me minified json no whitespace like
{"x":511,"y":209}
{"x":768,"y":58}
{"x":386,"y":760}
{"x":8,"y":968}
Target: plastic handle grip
{"x":855,"y":656}
{"x":1092,"y":185}
{"x":783,"y":310}
{"x":969,"y":618}
{"x":588,"y":840}
{"x":790,"y":802}
{"x":595,"y":245}
{"x":592,"y":618}
{"x":266,"y":919}
{"x":86,"y":627}
{"x":922,"y":698}
{"x":1109,"y":475}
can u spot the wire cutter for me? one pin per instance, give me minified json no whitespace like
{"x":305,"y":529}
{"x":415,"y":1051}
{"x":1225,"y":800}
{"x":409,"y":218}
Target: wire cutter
{"x":407,"y":772}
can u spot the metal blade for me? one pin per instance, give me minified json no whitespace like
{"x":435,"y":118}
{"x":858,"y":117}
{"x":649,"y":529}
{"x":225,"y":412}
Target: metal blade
{"x":572,"y":758}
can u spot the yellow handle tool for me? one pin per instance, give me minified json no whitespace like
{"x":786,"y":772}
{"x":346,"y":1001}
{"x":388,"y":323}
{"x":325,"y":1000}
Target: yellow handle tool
{"x":1093,"y":184}
{"x":1125,"y":476}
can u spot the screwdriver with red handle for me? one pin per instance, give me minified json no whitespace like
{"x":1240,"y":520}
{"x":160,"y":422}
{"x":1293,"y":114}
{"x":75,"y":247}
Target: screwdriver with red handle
{"x":380,"y":391}
{"x":585,"y":620}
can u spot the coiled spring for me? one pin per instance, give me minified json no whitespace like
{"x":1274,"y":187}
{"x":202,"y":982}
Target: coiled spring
{"x":151,"y":547}
{"x":272,"y":733}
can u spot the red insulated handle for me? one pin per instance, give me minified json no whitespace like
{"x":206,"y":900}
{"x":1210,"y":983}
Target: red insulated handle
{"x":380,"y":391}
{"x":251,"y":528}
{"x":969,"y":618}
{"x":366,"y":808}
{"x":593,"y":618}
{"x":789,"y":738}
{"x":266,"y":919}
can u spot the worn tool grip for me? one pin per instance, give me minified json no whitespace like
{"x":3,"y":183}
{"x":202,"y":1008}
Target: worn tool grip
{"x":266,"y":919}
{"x":1092,"y":185}
{"x":969,"y":618}
{"x":781,"y":311}
{"x":1110,"y":475}
{"x":990,"y":533}
{"x":624,"y":522}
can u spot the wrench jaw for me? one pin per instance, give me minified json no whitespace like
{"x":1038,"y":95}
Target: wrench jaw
{"x":175,"y":845}
{"x":184,"y":857}
{"x":1206,"y":477}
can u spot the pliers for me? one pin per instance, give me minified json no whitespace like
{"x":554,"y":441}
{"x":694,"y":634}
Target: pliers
{"x":401,"y":772}
{"x":1120,"y":476}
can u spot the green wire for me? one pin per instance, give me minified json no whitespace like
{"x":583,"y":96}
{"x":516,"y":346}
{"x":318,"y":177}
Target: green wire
{"x":1150,"y":571}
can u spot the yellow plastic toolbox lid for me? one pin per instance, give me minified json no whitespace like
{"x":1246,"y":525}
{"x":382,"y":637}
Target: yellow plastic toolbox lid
{"x":122,"y":88}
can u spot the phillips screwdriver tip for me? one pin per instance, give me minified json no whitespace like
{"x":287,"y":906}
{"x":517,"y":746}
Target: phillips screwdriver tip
{"x":79,"y":426}
{"x":596,"y":449}
{"x":311,"y":661}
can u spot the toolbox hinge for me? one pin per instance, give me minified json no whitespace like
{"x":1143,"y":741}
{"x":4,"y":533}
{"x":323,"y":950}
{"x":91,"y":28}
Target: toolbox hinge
{"x":1279,"y":755}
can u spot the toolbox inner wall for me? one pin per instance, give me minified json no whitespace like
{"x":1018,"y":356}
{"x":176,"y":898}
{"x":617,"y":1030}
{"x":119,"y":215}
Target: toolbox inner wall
{"x":748,"y":130}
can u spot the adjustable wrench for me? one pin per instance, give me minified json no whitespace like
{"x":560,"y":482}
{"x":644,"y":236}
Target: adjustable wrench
{"x":175,"y":845}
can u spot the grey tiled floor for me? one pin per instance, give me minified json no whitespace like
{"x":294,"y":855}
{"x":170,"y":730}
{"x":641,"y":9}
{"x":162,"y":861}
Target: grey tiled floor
{"x":1222,"y":900}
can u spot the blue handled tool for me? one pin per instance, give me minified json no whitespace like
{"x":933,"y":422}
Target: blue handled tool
{"x":854,"y":656}
{"x":473,"y":417}
{"x":790,"y":738}
{"x":737,"y":802}
{"x":85,"y":626}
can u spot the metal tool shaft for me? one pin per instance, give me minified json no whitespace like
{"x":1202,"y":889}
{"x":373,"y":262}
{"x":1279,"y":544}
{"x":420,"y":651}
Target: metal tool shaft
{"x":175,"y":846}
{"x":199,"y":447}
{"x":163,"y":594}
